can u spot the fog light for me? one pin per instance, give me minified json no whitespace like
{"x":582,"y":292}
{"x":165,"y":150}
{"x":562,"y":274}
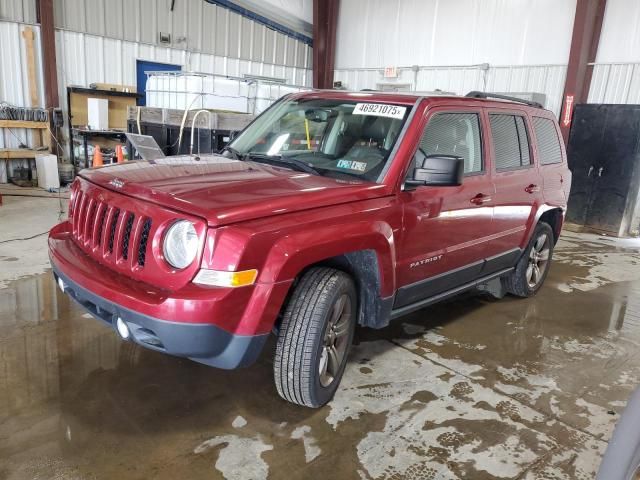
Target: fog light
{"x":61,"y":284}
{"x":122,"y":328}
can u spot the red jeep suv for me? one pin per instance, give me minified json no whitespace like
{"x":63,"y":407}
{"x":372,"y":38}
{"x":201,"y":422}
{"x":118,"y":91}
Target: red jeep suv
{"x":331,"y":209}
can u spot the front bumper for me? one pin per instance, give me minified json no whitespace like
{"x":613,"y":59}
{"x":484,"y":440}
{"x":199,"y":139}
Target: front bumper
{"x":203,"y":343}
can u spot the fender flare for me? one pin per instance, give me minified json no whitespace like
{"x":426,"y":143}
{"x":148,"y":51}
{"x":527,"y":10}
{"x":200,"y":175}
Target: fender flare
{"x":366,"y":250}
{"x":542,"y":209}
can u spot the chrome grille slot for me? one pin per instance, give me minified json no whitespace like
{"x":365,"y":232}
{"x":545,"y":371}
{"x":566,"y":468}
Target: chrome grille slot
{"x":101,"y":219}
{"x":112,"y":231}
{"x":144,"y":239}
{"x":87,"y":230}
{"x":77,"y":221}
{"x":127,"y":235}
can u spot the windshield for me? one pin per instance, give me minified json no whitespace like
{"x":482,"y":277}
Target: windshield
{"x":333,"y":138}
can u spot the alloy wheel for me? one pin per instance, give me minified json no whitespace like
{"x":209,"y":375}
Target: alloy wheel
{"x":335,"y":342}
{"x":538,"y":260}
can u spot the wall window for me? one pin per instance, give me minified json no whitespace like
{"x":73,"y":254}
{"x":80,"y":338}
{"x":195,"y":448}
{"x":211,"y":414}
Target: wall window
{"x":548,"y":141}
{"x":510,"y":141}
{"x":455,"y":134}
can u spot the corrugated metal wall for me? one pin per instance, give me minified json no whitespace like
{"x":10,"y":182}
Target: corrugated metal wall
{"x":14,"y":86}
{"x":526,"y":47}
{"x":23,"y":11}
{"x":616,"y":73}
{"x":546,"y":79}
{"x":114,"y":61}
{"x":194,"y":25}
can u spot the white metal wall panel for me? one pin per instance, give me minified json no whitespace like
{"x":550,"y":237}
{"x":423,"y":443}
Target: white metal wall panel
{"x":193,"y":25}
{"x":546,"y":79}
{"x":616,"y":74}
{"x":525,"y":46}
{"x":14,"y":86}
{"x":114,"y":61}
{"x":620,"y":36}
{"x":302,"y":9}
{"x":615,"y":83}
{"x":23,"y":11}
{"x":377,"y":33}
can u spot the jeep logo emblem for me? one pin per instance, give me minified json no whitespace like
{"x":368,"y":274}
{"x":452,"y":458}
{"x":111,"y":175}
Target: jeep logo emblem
{"x":117,"y":183}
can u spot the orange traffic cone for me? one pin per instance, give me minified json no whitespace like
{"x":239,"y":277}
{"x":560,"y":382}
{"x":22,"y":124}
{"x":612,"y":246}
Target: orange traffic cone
{"x":97,"y":157}
{"x":119,"y":154}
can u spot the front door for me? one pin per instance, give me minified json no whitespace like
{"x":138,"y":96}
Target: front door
{"x":445,"y":228}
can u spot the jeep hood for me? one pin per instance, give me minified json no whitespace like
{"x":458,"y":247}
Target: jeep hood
{"x":224,"y":191}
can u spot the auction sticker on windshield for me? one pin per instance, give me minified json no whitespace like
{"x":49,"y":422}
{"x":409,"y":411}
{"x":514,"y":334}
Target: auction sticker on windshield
{"x":380,"y":110}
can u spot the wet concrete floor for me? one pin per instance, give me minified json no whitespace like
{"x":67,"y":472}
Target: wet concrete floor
{"x":474,"y":388}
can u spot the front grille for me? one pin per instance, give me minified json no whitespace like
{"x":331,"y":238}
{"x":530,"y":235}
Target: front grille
{"x":108,"y":232}
{"x":124,"y":235}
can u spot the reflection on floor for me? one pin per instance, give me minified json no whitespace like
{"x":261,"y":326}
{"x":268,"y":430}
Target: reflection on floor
{"x":473,"y":388}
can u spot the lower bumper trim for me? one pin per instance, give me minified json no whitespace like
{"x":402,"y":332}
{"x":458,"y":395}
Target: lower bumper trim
{"x":203,"y":343}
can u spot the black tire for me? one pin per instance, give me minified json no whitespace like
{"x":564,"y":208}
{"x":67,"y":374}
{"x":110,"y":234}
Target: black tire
{"x":305,"y":332}
{"x":520,"y":282}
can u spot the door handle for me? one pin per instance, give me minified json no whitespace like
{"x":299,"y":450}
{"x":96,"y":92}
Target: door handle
{"x":480,"y":199}
{"x":590,"y":171}
{"x":600,"y":171}
{"x":532,"y":188}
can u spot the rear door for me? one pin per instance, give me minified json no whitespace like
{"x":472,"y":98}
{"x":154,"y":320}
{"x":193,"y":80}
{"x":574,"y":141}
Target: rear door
{"x":556,"y":177}
{"x":446,"y":229}
{"x":518,"y":185}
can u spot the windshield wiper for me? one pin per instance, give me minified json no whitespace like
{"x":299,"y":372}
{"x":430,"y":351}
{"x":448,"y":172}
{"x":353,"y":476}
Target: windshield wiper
{"x":236,"y":154}
{"x":278,"y":159}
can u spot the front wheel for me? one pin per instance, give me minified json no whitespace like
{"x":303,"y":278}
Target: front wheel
{"x":532,"y":268}
{"x":315,"y":337}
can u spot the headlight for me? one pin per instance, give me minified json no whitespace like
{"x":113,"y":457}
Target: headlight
{"x":180,"y":244}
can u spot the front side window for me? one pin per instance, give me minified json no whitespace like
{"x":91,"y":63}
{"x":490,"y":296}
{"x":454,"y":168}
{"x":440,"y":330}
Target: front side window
{"x":510,"y":141}
{"x":454,"y":134}
{"x":328,"y":137}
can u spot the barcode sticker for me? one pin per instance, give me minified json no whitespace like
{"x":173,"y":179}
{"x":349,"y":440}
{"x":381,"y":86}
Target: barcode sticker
{"x":380,"y":110}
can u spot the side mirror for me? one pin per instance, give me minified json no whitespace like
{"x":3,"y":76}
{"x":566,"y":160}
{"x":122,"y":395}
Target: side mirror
{"x":438,"y":170}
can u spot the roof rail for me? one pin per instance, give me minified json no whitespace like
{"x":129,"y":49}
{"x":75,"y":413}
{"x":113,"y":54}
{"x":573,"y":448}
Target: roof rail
{"x":487,"y":95}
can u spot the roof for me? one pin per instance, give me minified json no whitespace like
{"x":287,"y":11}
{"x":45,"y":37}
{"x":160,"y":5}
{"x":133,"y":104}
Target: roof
{"x":409,"y":98}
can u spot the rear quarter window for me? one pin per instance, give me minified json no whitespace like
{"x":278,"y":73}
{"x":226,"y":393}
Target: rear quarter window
{"x":549,"y":151}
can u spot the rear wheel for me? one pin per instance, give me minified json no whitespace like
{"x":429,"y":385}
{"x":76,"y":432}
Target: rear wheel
{"x":532,"y":268}
{"x":315,"y":337}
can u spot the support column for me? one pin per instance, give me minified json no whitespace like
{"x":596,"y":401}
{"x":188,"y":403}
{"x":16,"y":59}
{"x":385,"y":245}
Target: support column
{"x":584,"y":46}
{"x":48,"y":47}
{"x":325,"y":22}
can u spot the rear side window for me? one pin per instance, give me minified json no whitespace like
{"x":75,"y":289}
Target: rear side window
{"x":548,"y":141}
{"x":510,"y":141}
{"x":455,"y":134}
